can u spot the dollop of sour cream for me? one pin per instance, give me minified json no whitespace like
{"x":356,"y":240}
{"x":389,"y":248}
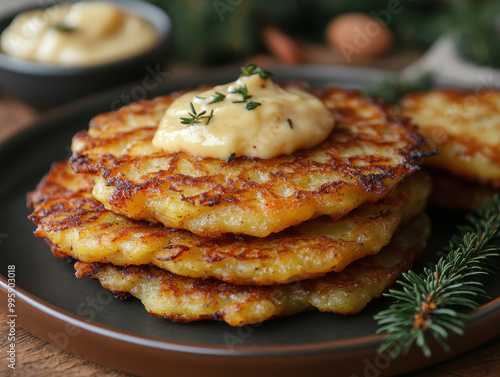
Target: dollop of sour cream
{"x":250,"y":117}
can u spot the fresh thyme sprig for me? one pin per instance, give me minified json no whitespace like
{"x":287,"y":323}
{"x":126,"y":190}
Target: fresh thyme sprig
{"x":248,"y":70}
{"x":253,"y":69}
{"x":197,"y":117}
{"x":243,"y":90}
{"x":428,"y":303}
{"x":217,"y":97}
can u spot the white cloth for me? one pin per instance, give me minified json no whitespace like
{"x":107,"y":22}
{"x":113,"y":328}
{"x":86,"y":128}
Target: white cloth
{"x":443,"y":60}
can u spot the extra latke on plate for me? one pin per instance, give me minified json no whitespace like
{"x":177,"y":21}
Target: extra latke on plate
{"x":465,"y":126}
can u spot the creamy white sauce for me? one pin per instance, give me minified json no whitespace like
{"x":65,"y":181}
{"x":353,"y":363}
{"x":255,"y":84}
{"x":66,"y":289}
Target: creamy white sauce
{"x":82,"y":34}
{"x":286,"y":120}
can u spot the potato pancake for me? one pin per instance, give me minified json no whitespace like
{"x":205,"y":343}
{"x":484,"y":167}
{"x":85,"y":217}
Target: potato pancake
{"x":77,"y":224}
{"x":465,"y":126}
{"x":369,"y":152}
{"x":187,"y":299}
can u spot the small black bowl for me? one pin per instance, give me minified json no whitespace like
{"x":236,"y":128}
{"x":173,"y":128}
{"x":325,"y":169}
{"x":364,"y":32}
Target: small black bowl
{"x":45,"y":86}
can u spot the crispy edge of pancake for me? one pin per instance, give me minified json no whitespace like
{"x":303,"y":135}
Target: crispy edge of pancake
{"x":79,"y":226}
{"x":452,"y":192}
{"x":462,"y":154}
{"x":186,"y":299}
{"x":216,"y":198}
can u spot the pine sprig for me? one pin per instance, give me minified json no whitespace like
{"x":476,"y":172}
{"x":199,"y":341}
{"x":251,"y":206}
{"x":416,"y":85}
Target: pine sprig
{"x":428,"y":304}
{"x":393,"y":88}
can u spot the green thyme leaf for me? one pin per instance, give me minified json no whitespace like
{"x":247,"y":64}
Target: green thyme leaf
{"x":217,"y":97}
{"x":290,"y":123}
{"x":192,"y":108}
{"x":253,"y":69}
{"x":189,"y":121}
{"x":248,"y":69}
{"x":243,"y":90}
{"x":65,"y":28}
{"x":230,"y":158}
{"x":209,"y":117}
{"x":252,"y":105}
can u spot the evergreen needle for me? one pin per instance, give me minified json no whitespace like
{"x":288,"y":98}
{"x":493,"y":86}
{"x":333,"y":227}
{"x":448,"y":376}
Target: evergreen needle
{"x":428,"y":304}
{"x":393,"y":88}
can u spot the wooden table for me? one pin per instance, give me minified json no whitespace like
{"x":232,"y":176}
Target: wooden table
{"x":35,"y":357}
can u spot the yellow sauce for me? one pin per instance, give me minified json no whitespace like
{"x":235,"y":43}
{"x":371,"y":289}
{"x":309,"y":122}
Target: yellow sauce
{"x":285,"y":121}
{"x":82,"y":34}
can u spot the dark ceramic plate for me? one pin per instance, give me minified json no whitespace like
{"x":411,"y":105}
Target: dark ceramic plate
{"x":83,"y":318}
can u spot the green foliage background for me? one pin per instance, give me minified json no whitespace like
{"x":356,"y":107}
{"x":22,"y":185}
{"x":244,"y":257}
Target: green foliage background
{"x":208,"y":32}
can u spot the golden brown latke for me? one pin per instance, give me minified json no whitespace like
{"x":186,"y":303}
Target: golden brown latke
{"x":369,"y":152}
{"x":187,"y":299}
{"x":465,"y":126}
{"x":78,"y":225}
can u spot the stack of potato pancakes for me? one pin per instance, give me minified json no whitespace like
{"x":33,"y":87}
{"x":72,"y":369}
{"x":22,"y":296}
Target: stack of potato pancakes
{"x":247,"y":239}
